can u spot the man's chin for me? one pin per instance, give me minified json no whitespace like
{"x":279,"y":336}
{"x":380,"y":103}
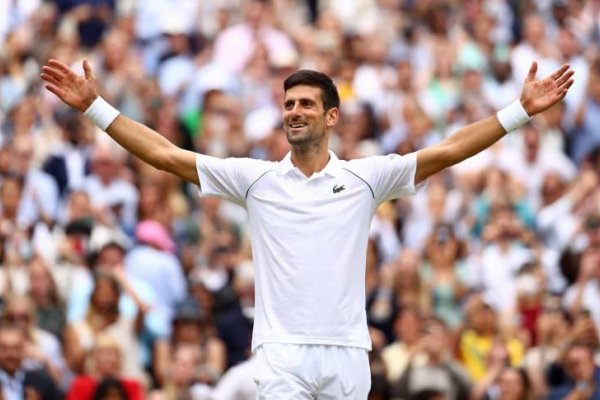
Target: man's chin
{"x":296,"y":140}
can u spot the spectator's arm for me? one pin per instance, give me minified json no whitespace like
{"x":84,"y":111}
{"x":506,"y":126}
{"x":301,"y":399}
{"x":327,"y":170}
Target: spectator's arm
{"x":161,"y":359}
{"x":216,"y":356}
{"x":587,"y":271}
{"x":74,"y":353}
{"x":142,"y":307}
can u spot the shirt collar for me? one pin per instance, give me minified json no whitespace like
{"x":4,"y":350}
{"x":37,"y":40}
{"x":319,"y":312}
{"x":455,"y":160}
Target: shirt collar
{"x":332,"y":168}
{"x":19,"y":376}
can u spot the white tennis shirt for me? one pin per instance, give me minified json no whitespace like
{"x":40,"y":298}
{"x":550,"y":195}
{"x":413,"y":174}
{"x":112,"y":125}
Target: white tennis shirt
{"x":309,"y":240}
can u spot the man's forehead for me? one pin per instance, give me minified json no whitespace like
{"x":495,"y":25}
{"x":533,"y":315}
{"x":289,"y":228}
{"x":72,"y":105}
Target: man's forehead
{"x":303,"y":92}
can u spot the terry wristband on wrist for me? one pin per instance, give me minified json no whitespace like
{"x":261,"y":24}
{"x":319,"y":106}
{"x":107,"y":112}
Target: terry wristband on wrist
{"x":102,"y":113}
{"x":513,"y":116}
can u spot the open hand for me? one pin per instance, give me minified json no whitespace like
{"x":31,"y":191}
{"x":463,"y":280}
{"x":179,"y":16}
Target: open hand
{"x":541,"y":94}
{"x":74,"y":90}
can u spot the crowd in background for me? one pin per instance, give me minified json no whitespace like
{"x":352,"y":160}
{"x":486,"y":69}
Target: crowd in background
{"x":117,"y":279}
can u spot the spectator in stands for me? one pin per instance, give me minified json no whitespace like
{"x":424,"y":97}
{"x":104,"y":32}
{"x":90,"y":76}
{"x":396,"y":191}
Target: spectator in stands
{"x":104,"y":317}
{"x":41,"y":348}
{"x":111,"y":194}
{"x":192,"y":328}
{"x":582,"y":375}
{"x":439,"y":372}
{"x":43,"y":291}
{"x":481,"y":342}
{"x":153,"y":261}
{"x":16,"y":382}
{"x":106,"y":362}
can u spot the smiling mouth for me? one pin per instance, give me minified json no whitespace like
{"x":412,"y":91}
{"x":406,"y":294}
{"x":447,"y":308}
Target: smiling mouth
{"x":297,"y":126}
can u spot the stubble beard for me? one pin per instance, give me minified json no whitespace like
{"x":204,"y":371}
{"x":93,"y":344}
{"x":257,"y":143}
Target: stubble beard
{"x":305,"y":142}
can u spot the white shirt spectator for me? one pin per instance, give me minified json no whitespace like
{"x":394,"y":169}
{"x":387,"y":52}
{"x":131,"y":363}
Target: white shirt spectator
{"x":497,"y":274}
{"x":39,"y":192}
{"x":590,"y":300}
{"x":235,"y":45}
{"x":118,"y":193}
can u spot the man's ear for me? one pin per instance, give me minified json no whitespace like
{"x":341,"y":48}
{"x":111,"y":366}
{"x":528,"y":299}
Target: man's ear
{"x":332,"y":117}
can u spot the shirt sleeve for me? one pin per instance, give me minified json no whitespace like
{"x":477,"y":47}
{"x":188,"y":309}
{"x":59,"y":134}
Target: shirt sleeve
{"x":393,"y":176}
{"x":229,"y":178}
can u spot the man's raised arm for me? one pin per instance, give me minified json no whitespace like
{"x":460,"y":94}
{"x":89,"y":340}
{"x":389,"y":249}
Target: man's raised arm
{"x":79,"y":92}
{"x":536,"y":96}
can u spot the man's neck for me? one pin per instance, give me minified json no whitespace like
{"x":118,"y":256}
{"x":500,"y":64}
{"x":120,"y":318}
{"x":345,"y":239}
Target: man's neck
{"x":310,"y":160}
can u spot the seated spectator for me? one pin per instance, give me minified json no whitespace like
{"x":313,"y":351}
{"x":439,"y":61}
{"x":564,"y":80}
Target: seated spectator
{"x":111,"y":389}
{"x":192,"y":327}
{"x":553,"y":330}
{"x":16,"y":381}
{"x":506,"y":251}
{"x":111,"y":195}
{"x":396,"y":355}
{"x":106,"y":362}
{"x":186,"y":378}
{"x":13,"y":237}
{"x":106,"y":252}
{"x":481,"y":333}
{"x":440,"y":372}
{"x":509,"y":383}
{"x":104,"y":317}
{"x":529,"y":301}
{"x":39,"y":202}
{"x":153,"y":262}
{"x":582,"y":375}
{"x":444,"y":274}
{"x":49,"y":307}
{"x":42,"y":349}
{"x":584,"y":293}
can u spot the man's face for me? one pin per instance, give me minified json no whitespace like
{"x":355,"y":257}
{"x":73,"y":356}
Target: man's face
{"x":305,"y":121}
{"x":579,"y":364}
{"x":11,"y":350}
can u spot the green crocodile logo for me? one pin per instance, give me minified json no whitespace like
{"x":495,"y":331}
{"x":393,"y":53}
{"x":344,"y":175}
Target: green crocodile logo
{"x":337,"y":189}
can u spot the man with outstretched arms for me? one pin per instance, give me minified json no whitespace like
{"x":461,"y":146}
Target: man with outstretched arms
{"x":309,"y":216}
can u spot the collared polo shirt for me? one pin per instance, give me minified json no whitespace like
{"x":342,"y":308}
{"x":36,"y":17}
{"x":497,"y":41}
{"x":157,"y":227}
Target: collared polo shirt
{"x":12,"y":386}
{"x":309,"y":239}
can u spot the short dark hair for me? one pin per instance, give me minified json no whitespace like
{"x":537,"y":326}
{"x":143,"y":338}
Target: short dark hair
{"x":308,"y":77}
{"x":427,"y":394}
{"x":108,"y":384}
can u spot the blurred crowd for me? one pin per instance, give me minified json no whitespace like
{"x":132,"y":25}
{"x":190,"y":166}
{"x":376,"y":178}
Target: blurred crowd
{"x":118,"y":281}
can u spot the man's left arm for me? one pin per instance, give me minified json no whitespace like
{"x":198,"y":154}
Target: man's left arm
{"x":537,"y":95}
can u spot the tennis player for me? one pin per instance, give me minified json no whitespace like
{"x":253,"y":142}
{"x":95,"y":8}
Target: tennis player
{"x":309,"y":215}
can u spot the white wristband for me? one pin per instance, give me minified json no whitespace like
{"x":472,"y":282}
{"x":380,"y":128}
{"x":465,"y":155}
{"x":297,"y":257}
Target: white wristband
{"x":513,"y":116}
{"x":102,"y":113}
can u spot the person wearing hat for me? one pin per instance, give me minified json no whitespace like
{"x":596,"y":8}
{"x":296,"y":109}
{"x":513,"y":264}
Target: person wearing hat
{"x":152,"y":261}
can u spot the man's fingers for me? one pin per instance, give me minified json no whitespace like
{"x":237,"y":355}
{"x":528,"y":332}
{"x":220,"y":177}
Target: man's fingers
{"x":564,"y":89}
{"x":53,"y":72}
{"x":55,"y":89}
{"x":560,"y":72}
{"x":566,"y":85}
{"x":565,"y":77}
{"x":532,"y":71}
{"x":60,"y":66}
{"x":87,"y":70}
{"x":49,"y":78}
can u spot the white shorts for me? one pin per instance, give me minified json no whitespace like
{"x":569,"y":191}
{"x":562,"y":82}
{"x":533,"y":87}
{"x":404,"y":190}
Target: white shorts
{"x":316,"y":372}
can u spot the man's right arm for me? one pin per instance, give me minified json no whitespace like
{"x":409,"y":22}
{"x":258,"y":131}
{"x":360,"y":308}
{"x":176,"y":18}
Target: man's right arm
{"x":153,"y":148}
{"x":79,"y":92}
